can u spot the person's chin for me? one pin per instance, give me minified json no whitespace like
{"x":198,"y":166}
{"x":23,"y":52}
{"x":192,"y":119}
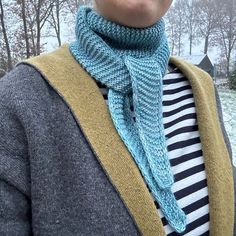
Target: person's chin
{"x":133,"y":13}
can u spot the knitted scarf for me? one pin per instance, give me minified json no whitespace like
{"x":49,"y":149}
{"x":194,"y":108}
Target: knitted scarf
{"x":131,"y":62}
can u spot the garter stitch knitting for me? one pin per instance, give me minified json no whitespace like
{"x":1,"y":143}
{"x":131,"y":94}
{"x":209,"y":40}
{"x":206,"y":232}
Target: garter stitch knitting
{"x":131,"y":62}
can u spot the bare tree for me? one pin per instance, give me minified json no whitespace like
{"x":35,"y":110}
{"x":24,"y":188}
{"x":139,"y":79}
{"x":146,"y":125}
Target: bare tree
{"x":34,"y":15}
{"x":43,"y":10}
{"x":171,"y":28}
{"x":226,"y":36}
{"x":191,"y":22}
{"x":73,"y":5}
{"x":176,"y":19}
{"x":208,"y":19}
{"x":25,"y":28}
{"x":5,"y":36}
{"x":55,"y":19}
{"x":30,"y":14}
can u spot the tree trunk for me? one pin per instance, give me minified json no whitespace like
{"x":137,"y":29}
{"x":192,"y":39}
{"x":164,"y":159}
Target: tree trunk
{"x":179,"y":43}
{"x":32,"y":39}
{"x":8,"y":50}
{"x":58,"y":23}
{"x":190,"y":44}
{"x":25,"y":30}
{"x":38,"y":30}
{"x":206,"y":44}
{"x":228,"y":67}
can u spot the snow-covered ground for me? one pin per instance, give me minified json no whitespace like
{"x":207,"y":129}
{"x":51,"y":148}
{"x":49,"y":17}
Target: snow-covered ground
{"x":228,"y":101}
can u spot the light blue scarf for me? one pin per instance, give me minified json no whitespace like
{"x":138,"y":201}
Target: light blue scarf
{"x":131,"y":62}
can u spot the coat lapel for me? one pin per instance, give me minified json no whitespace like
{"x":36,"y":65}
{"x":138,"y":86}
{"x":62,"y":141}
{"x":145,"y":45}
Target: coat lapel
{"x":83,"y":97}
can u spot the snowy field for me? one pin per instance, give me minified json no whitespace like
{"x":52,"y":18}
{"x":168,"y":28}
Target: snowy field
{"x":228,"y":101}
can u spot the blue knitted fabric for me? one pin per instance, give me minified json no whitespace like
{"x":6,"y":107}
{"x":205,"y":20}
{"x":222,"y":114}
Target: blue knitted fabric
{"x":131,"y":62}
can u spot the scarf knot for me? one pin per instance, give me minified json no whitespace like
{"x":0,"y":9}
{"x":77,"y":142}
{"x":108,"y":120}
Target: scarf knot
{"x":131,"y":62}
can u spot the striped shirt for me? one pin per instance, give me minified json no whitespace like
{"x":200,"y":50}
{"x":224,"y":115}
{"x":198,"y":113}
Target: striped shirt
{"x":185,"y":153}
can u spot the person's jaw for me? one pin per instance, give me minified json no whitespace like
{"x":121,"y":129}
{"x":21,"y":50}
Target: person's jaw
{"x":132,"y":13}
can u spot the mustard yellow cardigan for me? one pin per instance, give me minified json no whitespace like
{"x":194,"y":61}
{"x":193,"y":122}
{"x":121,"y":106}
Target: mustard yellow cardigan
{"x":67,"y":77}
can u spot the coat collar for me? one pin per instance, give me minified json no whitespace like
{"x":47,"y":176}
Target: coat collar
{"x":83,"y":96}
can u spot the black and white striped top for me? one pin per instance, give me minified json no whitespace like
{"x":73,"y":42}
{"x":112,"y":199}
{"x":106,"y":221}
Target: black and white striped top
{"x":185,"y":153}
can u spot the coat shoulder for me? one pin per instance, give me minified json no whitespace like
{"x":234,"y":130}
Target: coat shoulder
{"x":21,"y":85}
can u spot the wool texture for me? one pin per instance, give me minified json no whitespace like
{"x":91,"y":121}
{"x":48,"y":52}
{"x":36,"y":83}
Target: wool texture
{"x":131,"y":62}
{"x":82,"y":95}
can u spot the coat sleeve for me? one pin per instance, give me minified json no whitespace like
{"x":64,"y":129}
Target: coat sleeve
{"x":220,"y":113}
{"x":227,"y":141}
{"x":15,"y":218}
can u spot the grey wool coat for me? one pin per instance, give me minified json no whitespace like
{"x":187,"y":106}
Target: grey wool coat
{"x":51,"y":183}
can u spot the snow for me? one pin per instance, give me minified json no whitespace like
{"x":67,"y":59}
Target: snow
{"x":228,"y":101}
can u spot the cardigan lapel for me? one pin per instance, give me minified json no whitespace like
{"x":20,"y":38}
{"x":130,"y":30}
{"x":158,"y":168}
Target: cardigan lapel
{"x":216,"y":157}
{"x":82,"y":95}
